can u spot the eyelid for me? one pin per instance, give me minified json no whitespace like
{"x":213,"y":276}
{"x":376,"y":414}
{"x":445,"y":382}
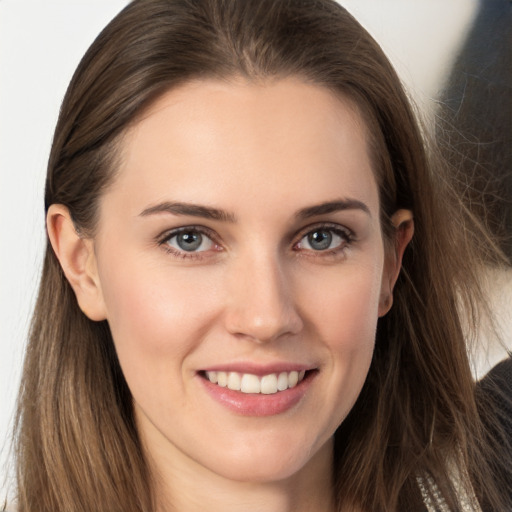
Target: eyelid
{"x":169,"y":233}
{"x":337,"y":228}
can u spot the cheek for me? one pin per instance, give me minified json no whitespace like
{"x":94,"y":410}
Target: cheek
{"x":156,"y":315}
{"x":345,"y":312}
{"x":343,"y":318}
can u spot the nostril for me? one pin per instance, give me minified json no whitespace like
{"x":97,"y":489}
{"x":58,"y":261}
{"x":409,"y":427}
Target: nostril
{"x":263,"y":328}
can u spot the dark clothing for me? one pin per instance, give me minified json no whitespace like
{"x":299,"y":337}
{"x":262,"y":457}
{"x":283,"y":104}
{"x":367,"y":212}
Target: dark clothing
{"x":498,"y":385}
{"x":495,"y":392}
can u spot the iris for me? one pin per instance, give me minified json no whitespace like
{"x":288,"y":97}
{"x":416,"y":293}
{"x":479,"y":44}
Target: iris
{"x":320,"y":240}
{"x":189,"y":240}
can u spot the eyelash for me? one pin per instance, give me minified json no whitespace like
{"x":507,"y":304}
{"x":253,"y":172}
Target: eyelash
{"x":346,"y":235}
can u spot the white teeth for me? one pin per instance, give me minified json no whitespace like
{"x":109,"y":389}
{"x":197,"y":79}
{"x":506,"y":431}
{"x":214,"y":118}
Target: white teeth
{"x":269,"y":384}
{"x":249,"y":383}
{"x":222,"y":379}
{"x":293,"y":378}
{"x":282,"y":381}
{"x":234,"y":381}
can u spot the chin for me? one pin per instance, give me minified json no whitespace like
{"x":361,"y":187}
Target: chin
{"x":268,"y":463}
{"x":259,"y":471}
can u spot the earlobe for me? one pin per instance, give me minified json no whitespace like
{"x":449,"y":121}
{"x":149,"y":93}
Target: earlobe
{"x":403,"y":223}
{"x":78,"y":261}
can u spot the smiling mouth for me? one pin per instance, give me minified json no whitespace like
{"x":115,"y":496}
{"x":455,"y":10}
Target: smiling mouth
{"x":249,"y":383}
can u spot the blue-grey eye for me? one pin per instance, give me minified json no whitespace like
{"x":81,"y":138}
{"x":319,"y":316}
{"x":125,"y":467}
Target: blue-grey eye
{"x":322,"y":239}
{"x":190,"y":241}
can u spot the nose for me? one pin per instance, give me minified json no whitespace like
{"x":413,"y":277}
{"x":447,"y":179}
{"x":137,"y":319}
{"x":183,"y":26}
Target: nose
{"x":261,"y":306}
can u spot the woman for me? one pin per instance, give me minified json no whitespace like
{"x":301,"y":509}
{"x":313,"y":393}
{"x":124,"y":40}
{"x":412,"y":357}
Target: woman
{"x":251,"y":292}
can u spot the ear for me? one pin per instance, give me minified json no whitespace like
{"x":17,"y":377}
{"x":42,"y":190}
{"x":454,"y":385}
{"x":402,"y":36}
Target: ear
{"x":78,"y":261}
{"x":403,"y":223}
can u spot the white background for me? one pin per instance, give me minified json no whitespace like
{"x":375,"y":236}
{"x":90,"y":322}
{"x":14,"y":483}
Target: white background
{"x":41,"y":43}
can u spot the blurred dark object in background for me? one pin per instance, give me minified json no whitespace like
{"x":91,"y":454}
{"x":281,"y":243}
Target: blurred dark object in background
{"x":475,"y":125}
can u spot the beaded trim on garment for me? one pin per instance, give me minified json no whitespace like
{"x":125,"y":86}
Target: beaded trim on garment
{"x":435,"y":502}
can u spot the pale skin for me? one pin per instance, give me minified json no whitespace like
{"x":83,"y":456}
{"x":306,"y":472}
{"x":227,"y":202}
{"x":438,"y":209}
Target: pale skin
{"x":276,"y":180}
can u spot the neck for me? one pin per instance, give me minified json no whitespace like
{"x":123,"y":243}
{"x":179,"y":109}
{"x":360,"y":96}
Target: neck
{"x":193,"y":488}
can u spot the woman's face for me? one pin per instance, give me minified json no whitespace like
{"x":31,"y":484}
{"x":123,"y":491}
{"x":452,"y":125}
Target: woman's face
{"x":239,"y":251}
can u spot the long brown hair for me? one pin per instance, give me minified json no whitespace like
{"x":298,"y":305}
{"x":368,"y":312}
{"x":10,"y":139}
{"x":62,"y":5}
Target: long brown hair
{"x":77,"y":444}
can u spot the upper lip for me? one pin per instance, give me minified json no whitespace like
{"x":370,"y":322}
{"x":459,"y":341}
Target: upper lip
{"x":259,"y":369}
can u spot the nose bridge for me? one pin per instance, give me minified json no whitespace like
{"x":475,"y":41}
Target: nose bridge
{"x":261,"y":305}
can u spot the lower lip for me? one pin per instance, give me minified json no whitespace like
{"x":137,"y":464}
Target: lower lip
{"x":258,"y":404}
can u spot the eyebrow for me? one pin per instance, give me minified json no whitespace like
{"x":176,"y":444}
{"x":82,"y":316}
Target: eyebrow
{"x":331,"y":207}
{"x":207,"y":212}
{"x":193,"y":210}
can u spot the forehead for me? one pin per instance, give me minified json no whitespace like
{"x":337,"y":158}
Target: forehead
{"x":212,"y":141}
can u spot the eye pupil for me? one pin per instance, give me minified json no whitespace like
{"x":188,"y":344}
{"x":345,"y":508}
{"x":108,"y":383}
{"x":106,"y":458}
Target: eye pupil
{"x":189,"y":240}
{"x":320,"y":240}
